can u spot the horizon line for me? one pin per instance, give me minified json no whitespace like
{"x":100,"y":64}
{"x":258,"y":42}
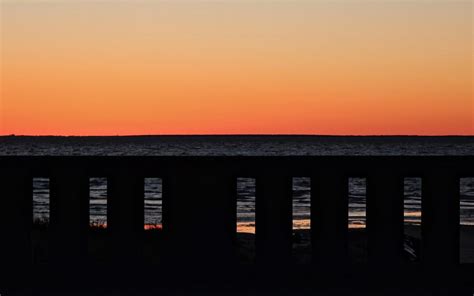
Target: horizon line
{"x":237,"y":135}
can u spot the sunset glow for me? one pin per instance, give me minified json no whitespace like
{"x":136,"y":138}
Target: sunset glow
{"x":236,"y":67}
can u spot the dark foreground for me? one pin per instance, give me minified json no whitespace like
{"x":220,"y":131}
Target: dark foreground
{"x":245,"y":245}
{"x":206,"y":256}
{"x":157,"y":276}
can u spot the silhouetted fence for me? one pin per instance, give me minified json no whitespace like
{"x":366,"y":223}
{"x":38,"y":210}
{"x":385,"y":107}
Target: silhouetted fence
{"x":199,"y":206}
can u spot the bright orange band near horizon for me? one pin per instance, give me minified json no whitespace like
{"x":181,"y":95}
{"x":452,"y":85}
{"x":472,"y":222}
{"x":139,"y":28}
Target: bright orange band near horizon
{"x":236,"y":67}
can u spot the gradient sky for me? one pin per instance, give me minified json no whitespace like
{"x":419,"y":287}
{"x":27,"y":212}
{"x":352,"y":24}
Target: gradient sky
{"x":236,"y":67}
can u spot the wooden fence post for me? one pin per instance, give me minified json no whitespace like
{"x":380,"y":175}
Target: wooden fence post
{"x":329,"y":218}
{"x":274,"y":219}
{"x":16,"y":215}
{"x":385,"y":218}
{"x":440,"y":219}
{"x":125,"y":216}
{"x":69,"y":215}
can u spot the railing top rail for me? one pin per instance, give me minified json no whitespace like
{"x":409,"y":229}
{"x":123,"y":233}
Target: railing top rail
{"x":244,"y":165}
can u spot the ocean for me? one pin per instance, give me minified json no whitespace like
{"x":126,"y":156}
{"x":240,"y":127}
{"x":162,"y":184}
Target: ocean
{"x":245,"y":145}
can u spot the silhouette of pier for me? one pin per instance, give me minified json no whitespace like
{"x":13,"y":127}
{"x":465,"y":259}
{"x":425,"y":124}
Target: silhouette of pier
{"x":199,"y":220}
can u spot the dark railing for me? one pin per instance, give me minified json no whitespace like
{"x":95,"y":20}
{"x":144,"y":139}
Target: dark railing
{"x":204,"y":189}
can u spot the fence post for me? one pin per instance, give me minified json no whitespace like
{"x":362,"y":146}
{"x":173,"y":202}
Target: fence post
{"x":125,"y":216}
{"x":329,"y":218}
{"x":69,"y":215}
{"x":274,"y":218}
{"x":440,"y":219}
{"x":385,"y":218}
{"x":16,"y":215}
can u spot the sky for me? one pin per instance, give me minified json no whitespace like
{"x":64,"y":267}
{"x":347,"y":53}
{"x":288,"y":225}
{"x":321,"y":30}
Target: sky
{"x":334,"y":67}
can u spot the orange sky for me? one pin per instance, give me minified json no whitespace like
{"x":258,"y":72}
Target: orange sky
{"x":236,"y":67}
